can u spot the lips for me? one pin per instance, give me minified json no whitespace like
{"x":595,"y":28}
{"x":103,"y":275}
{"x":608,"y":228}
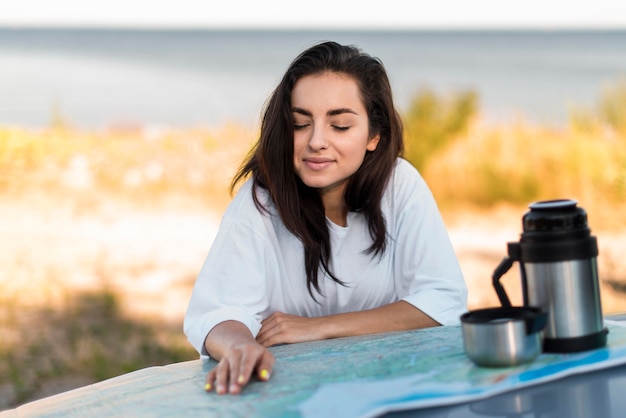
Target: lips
{"x":317,"y":164}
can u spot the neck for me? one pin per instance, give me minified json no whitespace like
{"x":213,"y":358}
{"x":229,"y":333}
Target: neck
{"x":335,"y":206}
{"x":338,"y":217}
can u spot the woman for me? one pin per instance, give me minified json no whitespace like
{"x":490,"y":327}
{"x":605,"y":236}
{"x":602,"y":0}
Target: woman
{"x":332,"y":234}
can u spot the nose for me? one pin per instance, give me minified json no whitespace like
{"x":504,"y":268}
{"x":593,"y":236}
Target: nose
{"x":318,"y":140}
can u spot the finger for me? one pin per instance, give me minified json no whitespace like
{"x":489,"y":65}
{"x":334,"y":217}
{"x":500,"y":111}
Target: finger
{"x":261,"y":336}
{"x":274,"y":320}
{"x":269,"y":319}
{"x":265,"y":366}
{"x":233,"y":373}
{"x":265,"y":338}
{"x":238,"y":380}
{"x":269,"y":334}
{"x":209,"y":384}
{"x":246,"y":366}
{"x":222,"y":371}
{"x":277,"y":334}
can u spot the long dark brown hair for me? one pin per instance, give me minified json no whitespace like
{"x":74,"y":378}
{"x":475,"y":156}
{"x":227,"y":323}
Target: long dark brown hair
{"x":271,"y":160}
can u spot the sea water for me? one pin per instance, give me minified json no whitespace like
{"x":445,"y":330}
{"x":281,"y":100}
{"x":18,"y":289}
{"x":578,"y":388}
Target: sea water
{"x":94,"y":78}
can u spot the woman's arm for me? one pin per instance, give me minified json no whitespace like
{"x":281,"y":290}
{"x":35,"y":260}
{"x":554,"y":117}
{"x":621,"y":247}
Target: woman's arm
{"x":280,"y":328}
{"x":239,"y":355}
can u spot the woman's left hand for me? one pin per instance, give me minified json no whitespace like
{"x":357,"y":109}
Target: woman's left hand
{"x":282,"y":328}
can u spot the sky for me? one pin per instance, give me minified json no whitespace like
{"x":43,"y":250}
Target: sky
{"x":337,"y":14}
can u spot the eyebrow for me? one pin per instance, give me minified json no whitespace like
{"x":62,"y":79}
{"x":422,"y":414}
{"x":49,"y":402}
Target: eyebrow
{"x":332,"y":112}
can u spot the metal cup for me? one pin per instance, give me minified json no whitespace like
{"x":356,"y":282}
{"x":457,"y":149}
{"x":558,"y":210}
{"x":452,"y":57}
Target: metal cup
{"x":503,"y":337}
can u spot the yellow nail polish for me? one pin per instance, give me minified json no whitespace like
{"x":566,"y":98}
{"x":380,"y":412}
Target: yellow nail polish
{"x":241,"y":379}
{"x":264,"y":374}
{"x":207,"y":387}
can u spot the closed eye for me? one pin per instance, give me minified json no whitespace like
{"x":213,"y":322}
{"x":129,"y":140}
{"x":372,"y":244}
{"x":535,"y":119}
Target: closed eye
{"x":300,"y":126}
{"x":341,"y":128}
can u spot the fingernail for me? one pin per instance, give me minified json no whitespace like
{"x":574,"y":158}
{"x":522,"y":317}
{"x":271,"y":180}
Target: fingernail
{"x":207,"y":387}
{"x":220,"y":389}
{"x":264,"y":375}
{"x":241,"y":379}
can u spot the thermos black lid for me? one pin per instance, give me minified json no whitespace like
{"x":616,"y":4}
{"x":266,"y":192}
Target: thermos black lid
{"x":553,"y":216}
{"x":554,"y":230}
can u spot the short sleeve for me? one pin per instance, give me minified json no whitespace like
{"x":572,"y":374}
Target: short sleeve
{"x":427,"y":271}
{"x":231,"y":284}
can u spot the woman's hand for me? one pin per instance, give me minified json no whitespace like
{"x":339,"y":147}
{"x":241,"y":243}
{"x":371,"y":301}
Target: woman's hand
{"x":236,"y":368}
{"x":282,"y":328}
{"x":240,"y":357}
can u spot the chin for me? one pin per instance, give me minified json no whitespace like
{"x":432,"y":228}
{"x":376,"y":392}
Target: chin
{"x":315,"y":184}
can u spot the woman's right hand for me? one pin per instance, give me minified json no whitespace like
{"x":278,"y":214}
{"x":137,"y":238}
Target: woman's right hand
{"x":239,"y":360}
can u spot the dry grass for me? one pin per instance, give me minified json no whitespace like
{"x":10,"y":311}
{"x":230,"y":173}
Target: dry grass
{"x":104,"y":232}
{"x":140,"y":167}
{"x":523,"y":163}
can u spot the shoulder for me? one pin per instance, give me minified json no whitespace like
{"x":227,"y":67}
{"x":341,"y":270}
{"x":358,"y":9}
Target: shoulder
{"x":407,"y":194}
{"x":243,"y":208}
{"x":405,"y":169}
{"x":406,"y":182}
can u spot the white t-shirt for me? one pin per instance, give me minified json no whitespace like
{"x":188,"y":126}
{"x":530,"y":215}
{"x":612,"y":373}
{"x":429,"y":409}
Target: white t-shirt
{"x":256,"y":266}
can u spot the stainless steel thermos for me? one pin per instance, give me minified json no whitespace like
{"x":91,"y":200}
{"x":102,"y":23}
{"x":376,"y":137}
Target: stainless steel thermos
{"x":557,"y":256}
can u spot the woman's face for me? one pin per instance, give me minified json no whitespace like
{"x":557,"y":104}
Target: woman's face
{"x":331,"y":131}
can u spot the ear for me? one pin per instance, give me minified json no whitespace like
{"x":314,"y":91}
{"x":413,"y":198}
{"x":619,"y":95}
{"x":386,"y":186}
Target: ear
{"x":372,"y":143}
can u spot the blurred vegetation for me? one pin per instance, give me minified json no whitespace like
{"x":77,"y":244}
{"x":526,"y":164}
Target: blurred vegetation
{"x":433,"y":122}
{"x":142,"y":165}
{"x":471,"y":165}
{"x":468,"y":165}
{"x":609,"y":113}
{"x":87,"y":339}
